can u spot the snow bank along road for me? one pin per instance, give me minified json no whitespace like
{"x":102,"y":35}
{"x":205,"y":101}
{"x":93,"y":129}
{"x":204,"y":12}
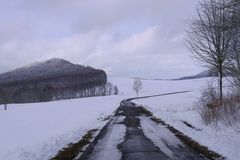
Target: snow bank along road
{"x":132,"y":135}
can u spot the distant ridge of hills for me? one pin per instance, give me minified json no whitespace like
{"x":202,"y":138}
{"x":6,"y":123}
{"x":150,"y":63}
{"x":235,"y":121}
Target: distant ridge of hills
{"x":206,"y":73}
{"x":203,"y":74}
{"x":53,"y":68}
{"x":51,"y":79}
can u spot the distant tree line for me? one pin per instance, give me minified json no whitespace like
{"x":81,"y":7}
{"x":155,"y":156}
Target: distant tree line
{"x":56,"y":88}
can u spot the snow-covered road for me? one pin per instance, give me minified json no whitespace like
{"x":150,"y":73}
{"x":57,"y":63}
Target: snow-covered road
{"x":136,"y":136}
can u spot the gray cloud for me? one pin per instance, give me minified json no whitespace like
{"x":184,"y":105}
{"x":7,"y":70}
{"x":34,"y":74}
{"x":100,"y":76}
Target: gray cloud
{"x":126,"y":38}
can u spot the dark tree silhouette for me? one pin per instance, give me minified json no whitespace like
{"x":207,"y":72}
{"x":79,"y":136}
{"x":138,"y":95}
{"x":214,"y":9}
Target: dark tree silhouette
{"x":210,"y":36}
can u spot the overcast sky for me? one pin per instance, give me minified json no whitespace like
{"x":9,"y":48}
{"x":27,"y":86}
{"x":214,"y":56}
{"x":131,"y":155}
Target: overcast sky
{"x":127,"y":38}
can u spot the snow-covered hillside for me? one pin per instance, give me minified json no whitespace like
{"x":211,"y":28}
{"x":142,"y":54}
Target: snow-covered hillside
{"x":37,"y":131}
{"x":51,"y":79}
{"x":39,"y":70}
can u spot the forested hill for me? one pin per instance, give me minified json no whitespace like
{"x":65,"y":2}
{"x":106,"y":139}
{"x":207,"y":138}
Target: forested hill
{"x":51,"y":79}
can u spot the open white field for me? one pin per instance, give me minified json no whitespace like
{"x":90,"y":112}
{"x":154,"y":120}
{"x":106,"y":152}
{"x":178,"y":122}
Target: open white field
{"x":37,"y":131}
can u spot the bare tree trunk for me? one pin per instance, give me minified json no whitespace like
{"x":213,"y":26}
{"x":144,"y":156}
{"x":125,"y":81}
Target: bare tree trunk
{"x":221,"y":85}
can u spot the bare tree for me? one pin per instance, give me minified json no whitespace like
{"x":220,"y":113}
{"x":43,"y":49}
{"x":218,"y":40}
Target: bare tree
{"x":116,"y":91}
{"x":109,"y":88}
{"x":210,"y":36}
{"x":137,"y":85}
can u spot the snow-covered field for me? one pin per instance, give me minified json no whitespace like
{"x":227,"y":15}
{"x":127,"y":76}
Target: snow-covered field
{"x":174,"y":109}
{"x":151,"y":87}
{"x":37,"y":131}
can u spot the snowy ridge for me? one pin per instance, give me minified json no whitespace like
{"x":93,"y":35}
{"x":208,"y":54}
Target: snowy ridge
{"x":203,"y":74}
{"x":53,"y":79}
{"x":49,"y":68}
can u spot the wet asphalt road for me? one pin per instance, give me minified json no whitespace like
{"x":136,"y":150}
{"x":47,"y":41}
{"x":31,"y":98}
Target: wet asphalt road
{"x":136,"y":146}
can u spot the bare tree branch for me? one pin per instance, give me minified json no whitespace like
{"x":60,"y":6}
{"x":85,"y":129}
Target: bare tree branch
{"x":210,"y":36}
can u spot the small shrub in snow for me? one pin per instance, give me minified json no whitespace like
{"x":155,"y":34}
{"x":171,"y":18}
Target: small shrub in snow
{"x":216,"y":114}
